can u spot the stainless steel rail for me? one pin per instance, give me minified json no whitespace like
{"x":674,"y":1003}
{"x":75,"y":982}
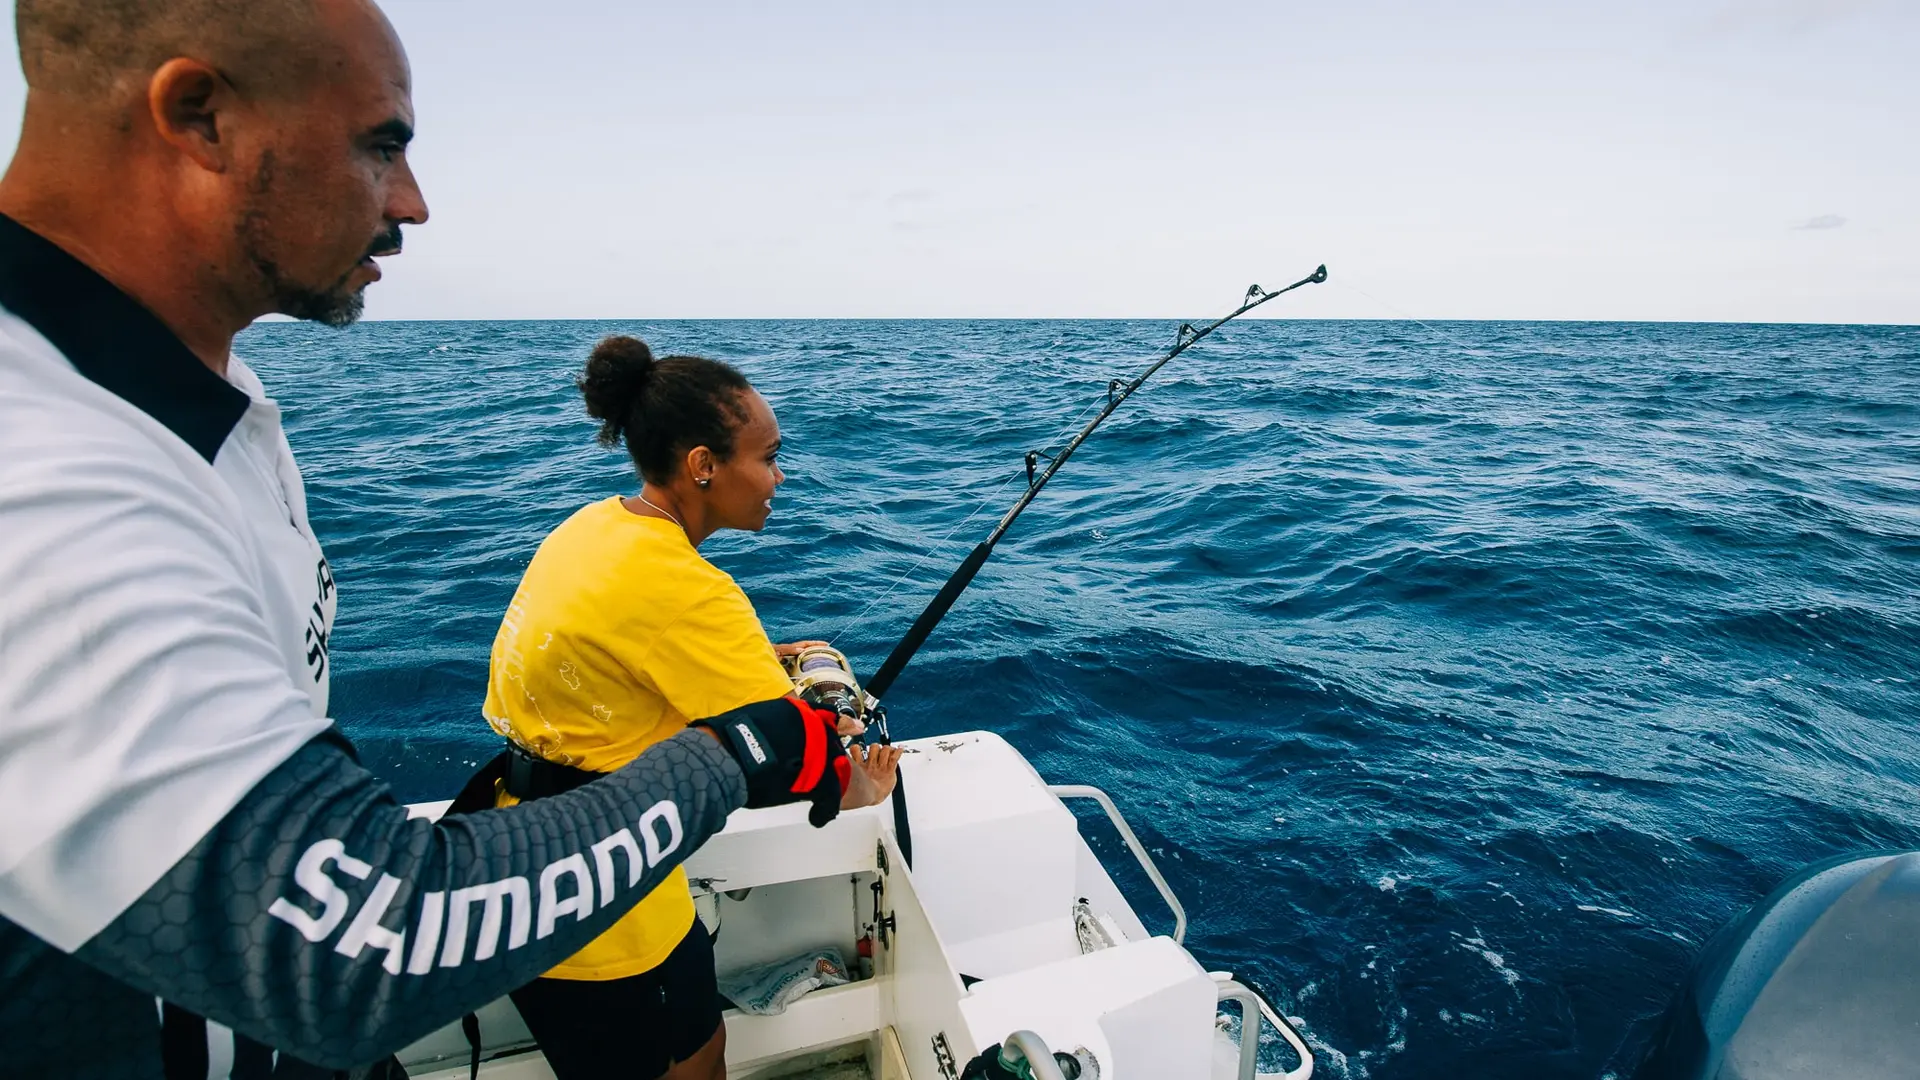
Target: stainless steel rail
{"x":1034,"y":1050}
{"x":1253,"y":1008}
{"x":1082,"y":791}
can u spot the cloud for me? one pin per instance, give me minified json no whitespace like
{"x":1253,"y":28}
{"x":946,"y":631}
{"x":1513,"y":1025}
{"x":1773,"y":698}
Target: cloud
{"x":1824,"y":221}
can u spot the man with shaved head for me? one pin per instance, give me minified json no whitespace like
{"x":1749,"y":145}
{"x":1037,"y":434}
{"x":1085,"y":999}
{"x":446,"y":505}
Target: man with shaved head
{"x":180,"y":821}
{"x":218,"y":160}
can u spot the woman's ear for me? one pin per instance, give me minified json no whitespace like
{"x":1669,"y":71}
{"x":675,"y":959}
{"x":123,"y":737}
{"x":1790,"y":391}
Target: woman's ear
{"x":700,"y":463}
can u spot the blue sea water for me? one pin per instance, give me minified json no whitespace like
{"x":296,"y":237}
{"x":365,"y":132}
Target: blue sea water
{"x":1464,"y":678}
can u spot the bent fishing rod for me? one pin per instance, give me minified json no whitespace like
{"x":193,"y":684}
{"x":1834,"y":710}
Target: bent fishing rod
{"x":1118,"y":391}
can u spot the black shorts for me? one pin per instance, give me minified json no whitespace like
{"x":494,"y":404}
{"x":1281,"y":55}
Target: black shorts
{"x":637,"y":1026}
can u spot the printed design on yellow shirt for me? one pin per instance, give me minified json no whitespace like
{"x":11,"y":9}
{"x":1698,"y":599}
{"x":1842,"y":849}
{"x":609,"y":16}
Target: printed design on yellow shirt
{"x":509,"y":666}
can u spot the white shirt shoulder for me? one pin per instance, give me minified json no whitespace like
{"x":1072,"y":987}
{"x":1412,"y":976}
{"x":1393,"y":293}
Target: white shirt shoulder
{"x":151,"y":654}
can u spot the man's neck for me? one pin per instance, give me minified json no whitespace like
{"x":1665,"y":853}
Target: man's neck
{"x":135,"y":249}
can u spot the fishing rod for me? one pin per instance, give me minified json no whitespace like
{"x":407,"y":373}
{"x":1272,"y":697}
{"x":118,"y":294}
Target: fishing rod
{"x":1118,"y":391}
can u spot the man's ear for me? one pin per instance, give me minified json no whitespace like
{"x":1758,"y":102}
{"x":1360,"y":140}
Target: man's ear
{"x":188,"y":100}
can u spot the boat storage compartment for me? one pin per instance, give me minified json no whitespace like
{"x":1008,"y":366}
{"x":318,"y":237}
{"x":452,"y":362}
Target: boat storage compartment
{"x":775,"y":888}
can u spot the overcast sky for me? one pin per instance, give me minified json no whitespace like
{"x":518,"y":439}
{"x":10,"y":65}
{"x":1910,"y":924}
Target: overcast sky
{"x":1684,"y":159}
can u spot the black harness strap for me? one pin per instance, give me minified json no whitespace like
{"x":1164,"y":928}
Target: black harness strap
{"x":183,"y":1043}
{"x":520,"y":775}
{"x":478,"y":792}
{"x":470,"y":1027}
{"x":186,"y":1055}
{"x":530,"y":777}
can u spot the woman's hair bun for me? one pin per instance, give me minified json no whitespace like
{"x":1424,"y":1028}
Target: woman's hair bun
{"x":662,"y":407}
{"x":615,"y":381}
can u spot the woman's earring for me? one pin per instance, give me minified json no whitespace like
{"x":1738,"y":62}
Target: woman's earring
{"x":704,"y":481}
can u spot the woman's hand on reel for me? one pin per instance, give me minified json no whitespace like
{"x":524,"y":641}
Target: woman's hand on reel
{"x":850,"y":725}
{"x":795,"y":648}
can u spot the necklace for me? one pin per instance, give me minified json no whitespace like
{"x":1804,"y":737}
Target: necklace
{"x":643,"y":498}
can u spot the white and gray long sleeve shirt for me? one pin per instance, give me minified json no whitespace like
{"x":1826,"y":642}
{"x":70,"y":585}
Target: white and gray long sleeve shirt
{"x":179,"y":819}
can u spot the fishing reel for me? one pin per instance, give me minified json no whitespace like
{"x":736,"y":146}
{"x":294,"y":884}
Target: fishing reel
{"x":824,"y":679}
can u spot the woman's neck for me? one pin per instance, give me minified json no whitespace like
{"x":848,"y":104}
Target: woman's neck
{"x":657,"y":502}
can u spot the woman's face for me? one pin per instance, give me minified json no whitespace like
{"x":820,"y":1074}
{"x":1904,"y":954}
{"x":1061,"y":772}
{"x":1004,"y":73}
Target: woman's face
{"x":740,"y":495}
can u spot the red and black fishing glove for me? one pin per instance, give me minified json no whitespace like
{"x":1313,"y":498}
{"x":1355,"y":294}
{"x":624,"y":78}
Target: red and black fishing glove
{"x":790,"y":752}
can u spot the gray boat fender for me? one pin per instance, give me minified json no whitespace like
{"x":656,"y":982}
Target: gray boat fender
{"x":1821,"y":978}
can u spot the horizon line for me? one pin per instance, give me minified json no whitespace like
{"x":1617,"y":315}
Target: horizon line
{"x":281,"y":320}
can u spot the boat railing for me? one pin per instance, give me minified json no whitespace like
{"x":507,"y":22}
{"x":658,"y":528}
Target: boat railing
{"x":1083,"y":791}
{"x":1254,"y":1009}
{"x":1033,"y":1050}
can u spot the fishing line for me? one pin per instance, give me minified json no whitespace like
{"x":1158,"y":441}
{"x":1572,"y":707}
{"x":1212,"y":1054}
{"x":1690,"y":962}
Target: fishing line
{"x":1118,"y":391}
{"x":900,"y":579}
{"x":985,"y":500}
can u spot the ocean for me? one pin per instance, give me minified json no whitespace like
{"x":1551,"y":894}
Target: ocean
{"x":1463,"y":677}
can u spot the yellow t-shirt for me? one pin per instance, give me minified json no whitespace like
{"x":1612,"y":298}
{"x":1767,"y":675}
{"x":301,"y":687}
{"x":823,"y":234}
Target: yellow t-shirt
{"x":619,"y":634}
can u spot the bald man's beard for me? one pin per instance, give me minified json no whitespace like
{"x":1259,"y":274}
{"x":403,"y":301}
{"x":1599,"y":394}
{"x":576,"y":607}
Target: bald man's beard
{"x":336,"y":306}
{"x":335,"y":303}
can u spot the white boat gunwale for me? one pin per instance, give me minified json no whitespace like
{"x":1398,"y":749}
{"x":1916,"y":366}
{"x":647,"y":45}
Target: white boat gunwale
{"x":1000,"y":867}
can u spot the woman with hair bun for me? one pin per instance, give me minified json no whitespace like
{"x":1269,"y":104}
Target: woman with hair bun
{"x":618,"y":636}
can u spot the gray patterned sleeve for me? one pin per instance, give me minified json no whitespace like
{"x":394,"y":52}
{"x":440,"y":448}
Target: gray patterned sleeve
{"x":318,"y":919}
